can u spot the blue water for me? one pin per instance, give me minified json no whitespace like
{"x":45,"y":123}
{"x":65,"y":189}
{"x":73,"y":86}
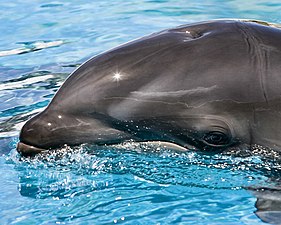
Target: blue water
{"x":41,"y":43}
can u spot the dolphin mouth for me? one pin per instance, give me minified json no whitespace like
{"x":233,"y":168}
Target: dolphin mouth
{"x":28,"y":150}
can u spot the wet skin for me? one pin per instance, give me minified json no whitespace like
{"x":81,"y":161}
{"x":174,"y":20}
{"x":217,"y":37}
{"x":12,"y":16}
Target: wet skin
{"x":212,"y":86}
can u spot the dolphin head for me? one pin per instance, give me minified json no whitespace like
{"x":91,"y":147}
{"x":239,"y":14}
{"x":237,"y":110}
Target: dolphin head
{"x":211,"y":85}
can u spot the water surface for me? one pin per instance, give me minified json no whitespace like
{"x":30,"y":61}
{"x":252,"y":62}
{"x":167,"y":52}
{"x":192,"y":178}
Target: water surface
{"x":41,"y":43}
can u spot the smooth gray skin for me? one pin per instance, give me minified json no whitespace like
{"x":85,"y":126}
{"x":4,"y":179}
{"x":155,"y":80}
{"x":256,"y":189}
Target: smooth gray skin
{"x":211,"y":86}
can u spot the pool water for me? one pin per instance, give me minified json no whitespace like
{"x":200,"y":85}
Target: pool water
{"x":41,"y":43}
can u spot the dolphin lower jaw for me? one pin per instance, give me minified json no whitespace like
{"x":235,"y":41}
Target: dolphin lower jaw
{"x":28,"y":150}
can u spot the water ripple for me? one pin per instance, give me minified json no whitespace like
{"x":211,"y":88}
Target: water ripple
{"x":128,"y":184}
{"x":32,"y":47}
{"x":124,"y":184}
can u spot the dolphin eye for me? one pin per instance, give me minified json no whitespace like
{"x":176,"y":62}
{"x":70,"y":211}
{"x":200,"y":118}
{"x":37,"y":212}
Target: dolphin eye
{"x":216,"y":138}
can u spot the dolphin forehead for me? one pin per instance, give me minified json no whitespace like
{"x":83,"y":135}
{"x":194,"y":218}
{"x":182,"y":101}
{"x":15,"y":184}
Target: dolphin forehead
{"x":234,"y":60}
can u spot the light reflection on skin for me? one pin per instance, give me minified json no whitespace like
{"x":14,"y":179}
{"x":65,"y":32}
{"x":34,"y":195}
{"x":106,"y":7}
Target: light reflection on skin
{"x":117,"y":76}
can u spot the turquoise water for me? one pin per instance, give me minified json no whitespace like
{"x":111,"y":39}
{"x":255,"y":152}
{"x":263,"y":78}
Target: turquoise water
{"x":41,"y":43}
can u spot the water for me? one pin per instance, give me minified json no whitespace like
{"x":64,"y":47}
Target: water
{"x":42,"y":42}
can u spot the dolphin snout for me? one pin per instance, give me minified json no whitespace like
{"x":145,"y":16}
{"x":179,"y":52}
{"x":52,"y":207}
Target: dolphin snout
{"x":31,"y":139}
{"x":28,"y":150}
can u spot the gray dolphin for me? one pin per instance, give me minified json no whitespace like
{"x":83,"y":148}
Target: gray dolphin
{"x":211,"y":86}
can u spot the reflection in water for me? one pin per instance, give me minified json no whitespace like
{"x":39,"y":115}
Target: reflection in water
{"x":24,"y":97}
{"x":268,"y":203}
{"x":31,"y":47}
{"x":24,"y":82}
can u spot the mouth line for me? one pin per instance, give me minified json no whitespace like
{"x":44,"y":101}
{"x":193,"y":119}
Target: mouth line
{"x":28,"y":150}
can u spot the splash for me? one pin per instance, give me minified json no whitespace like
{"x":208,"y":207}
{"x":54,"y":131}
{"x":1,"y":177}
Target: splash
{"x":70,"y":170}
